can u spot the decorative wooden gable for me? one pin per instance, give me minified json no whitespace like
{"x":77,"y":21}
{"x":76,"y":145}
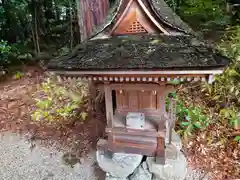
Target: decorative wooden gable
{"x":137,"y":18}
{"x":135,"y":27}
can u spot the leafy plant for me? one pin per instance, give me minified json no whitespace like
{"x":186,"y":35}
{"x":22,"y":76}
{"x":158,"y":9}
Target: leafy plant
{"x":18,"y":75}
{"x":4,"y":53}
{"x":237,"y":138}
{"x":226,"y":89}
{"x":56,"y":102}
{"x":231,"y":114}
{"x":230,"y":45}
{"x":191,"y":118}
{"x":202,"y":12}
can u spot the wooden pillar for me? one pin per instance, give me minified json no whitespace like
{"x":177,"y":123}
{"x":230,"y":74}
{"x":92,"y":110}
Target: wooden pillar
{"x":109,"y":113}
{"x":160,"y":153}
{"x":92,"y":96}
{"x":109,"y":104}
{"x":169,"y":122}
{"x":171,"y":117}
{"x":163,"y":93}
{"x":161,"y":100}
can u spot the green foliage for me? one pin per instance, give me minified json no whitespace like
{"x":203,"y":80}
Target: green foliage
{"x":10,"y":54}
{"x":231,"y":114}
{"x":18,"y":75}
{"x":237,"y":138}
{"x":5,"y":50}
{"x":57,"y":103}
{"x":230,"y":44}
{"x":201,"y":12}
{"x":190,"y":118}
{"x":223,"y":96}
{"x":227,"y":85}
{"x":35,"y":28}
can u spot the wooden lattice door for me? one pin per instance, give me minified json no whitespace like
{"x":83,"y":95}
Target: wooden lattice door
{"x":139,"y":101}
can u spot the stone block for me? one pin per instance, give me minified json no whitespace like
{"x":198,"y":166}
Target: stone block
{"x":119,"y":165}
{"x":175,"y":167}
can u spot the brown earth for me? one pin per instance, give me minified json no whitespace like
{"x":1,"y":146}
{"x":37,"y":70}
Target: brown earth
{"x":16,"y":99}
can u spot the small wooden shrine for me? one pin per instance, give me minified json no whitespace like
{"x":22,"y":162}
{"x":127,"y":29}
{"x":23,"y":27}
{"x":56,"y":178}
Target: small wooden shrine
{"x":138,"y":51}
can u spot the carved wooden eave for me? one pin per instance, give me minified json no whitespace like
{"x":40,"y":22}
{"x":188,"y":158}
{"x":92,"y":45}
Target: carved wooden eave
{"x":139,"y":76}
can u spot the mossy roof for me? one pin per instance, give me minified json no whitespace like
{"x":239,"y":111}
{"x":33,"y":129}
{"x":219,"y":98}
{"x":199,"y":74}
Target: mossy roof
{"x":147,"y":52}
{"x":168,"y":16}
{"x":162,"y":11}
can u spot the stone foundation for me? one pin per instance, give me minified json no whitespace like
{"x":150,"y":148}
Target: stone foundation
{"x":120,"y":166}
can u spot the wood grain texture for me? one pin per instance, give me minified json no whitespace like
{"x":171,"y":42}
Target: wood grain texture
{"x":160,"y":152}
{"x":91,"y":13}
{"x":133,"y":149}
{"x":109,"y":104}
{"x":135,"y":132}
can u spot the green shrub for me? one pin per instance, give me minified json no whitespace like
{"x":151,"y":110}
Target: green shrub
{"x":202,"y":12}
{"x":230,"y":44}
{"x":191,"y":118}
{"x":228,"y":84}
{"x":5,"y":50}
{"x":60,"y":102}
{"x":223,"y":94}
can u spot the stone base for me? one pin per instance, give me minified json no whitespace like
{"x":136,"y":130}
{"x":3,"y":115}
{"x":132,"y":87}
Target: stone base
{"x":175,"y":167}
{"x":119,"y":165}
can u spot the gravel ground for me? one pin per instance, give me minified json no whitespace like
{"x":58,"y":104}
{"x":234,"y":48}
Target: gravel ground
{"x":19,"y":162}
{"x":196,"y":174}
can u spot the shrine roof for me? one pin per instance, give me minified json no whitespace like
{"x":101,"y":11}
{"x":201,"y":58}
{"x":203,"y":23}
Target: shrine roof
{"x":162,"y":12}
{"x":147,"y":52}
{"x":167,"y":15}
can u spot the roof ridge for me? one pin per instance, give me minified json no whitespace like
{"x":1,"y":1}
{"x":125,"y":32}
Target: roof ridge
{"x":167,"y":15}
{"x":160,"y":8}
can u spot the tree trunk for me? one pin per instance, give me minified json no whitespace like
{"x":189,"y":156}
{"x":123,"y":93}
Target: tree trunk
{"x":36,"y":31}
{"x":71,"y":24}
{"x":35,"y":27}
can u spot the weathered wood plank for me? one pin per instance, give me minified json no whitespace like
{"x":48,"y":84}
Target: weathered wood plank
{"x":133,"y":149}
{"x":147,"y":112}
{"x":170,"y":124}
{"x":109,"y":104}
{"x":136,"y":132}
{"x":160,"y":152}
{"x":139,"y":142}
{"x":126,"y":86}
